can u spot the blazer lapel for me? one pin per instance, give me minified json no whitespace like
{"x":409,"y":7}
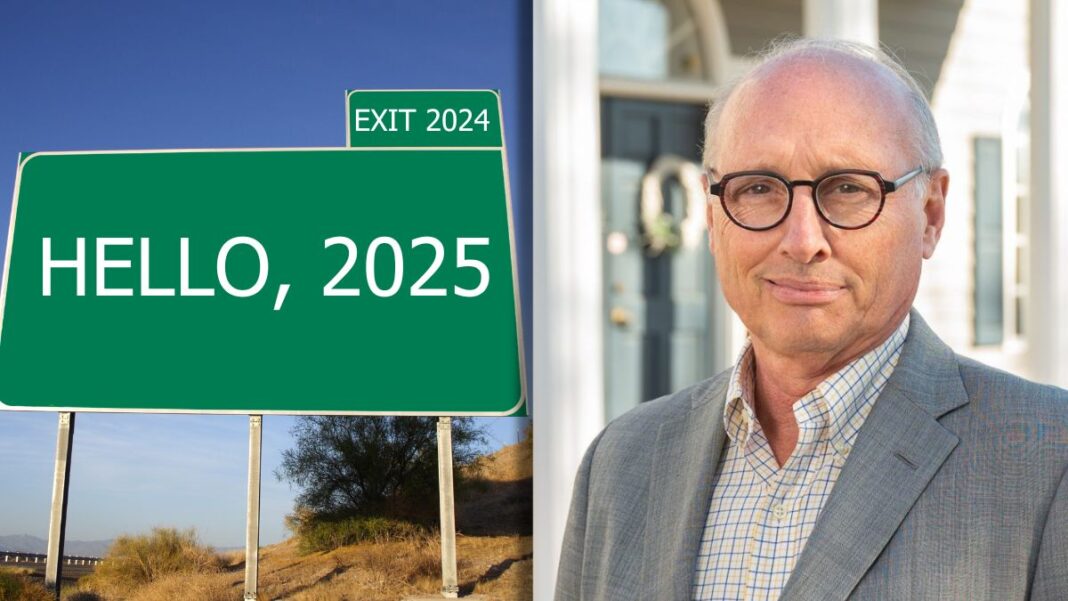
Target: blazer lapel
{"x":680,"y":488}
{"x":898,"y":450}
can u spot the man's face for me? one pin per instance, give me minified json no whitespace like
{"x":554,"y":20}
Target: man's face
{"x":805,"y":286}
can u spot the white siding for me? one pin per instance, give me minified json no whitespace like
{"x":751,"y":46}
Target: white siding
{"x":983,"y":79}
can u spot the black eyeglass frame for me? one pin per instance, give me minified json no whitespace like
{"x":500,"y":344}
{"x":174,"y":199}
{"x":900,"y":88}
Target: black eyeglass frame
{"x":886,"y":186}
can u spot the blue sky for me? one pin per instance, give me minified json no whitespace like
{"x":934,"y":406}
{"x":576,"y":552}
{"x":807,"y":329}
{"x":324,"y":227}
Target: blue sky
{"x":124,"y":75}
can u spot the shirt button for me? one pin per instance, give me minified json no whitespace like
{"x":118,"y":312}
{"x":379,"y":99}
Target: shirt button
{"x":778,"y":512}
{"x":842,"y":448}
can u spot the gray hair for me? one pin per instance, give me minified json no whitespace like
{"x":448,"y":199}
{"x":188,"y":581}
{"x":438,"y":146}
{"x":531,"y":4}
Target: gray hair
{"x":925,"y":142}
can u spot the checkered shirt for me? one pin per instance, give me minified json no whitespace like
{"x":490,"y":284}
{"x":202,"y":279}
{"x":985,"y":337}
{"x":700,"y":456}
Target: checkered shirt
{"x":762,"y":514}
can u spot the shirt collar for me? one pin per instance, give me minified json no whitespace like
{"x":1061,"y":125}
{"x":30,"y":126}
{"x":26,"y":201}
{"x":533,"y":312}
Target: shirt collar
{"x":848,"y":394}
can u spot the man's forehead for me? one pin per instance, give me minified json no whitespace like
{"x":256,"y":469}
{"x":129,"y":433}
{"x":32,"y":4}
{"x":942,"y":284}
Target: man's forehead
{"x":797,"y":86}
{"x":818,"y":161}
{"x":827,"y":65}
{"x":839,"y":110}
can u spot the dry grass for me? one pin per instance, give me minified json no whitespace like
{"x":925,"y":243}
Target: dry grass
{"x":499,"y":499}
{"x":511,"y":463}
{"x":497,"y":566}
{"x":325,"y":534}
{"x":183,"y":586}
{"x":16,"y":585}
{"x":501,"y":568}
{"x":134,"y":564}
{"x":493,"y":566}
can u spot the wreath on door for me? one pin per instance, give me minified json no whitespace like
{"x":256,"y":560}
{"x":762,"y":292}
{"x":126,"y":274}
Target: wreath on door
{"x":661,"y":230}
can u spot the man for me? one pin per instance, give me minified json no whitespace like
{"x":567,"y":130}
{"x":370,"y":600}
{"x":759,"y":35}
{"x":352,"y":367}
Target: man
{"x":849,"y":454}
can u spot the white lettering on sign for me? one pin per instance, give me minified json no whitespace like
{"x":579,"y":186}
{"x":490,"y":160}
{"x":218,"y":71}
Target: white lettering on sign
{"x":146,"y":289}
{"x":479,"y":266}
{"x":384,"y":280}
{"x":398,"y":266}
{"x":183,"y":270}
{"x":439,"y":120}
{"x":419,"y":287}
{"x":103,"y":264}
{"x":369,"y":119}
{"x":48,"y":264}
{"x":220,"y":266}
{"x":451,"y":120}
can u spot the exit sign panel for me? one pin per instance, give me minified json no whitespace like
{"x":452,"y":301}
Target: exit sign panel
{"x":423,"y":118}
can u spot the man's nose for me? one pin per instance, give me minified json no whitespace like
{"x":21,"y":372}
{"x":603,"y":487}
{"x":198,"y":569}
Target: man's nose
{"x":804,"y":238}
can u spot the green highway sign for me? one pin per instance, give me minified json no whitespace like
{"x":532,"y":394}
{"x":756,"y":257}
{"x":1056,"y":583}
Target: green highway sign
{"x":423,"y":118}
{"x":376,"y":280}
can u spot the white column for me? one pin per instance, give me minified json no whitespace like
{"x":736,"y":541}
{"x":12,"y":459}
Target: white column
{"x":856,"y":20}
{"x":568,"y":390}
{"x":1046,"y":323}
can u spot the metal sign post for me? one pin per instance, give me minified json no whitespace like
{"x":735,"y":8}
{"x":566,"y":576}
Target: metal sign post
{"x":449,"y":587}
{"x":57,"y":526}
{"x":252,"y":524}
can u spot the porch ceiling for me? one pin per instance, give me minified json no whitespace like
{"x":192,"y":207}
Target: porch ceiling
{"x":917,"y":31}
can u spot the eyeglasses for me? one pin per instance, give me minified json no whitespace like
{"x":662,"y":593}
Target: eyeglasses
{"x":848,"y":198}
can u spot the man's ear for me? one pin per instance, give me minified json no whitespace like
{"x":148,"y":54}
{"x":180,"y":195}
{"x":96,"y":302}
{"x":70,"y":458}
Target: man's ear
{"x":934,"y":209}
{"x":710,"y":208}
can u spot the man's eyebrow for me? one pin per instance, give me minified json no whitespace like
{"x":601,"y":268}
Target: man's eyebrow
{"x":756,"y":166}
{"x":826,"y":167}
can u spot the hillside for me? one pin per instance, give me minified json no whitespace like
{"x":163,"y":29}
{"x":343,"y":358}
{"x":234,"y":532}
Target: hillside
{"x":24,"y":543}
{"x":496,"y":568}
{"x":494,"y":551}
{"x":510,"y":463}
{"x":500,"y":500}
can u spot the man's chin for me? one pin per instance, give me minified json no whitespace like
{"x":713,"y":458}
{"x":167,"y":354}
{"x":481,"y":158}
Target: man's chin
{"x":803,"y":329}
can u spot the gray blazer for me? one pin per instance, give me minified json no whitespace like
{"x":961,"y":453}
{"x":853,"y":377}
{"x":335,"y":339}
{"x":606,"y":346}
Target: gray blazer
{"x":956,"y":488}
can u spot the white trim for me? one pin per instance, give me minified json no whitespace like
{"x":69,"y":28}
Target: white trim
{"x":856,"y":20}
{"x":257,"y":411}
{"x":1047,"y":327}
{"x":293,"y":149}
{"x":713,"y":38}
{"x":568,"y":298}
{"x":650,"y":89}
{"x":10,"y":239}
{"x":1014,"y":235}
{"x":717,"y":62}
{"x":515,"y":263}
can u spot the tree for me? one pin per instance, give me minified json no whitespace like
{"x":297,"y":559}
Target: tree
{"x":383,"y":466}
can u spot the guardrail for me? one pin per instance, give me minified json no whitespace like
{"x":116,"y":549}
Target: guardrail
{"x":8,"y":557}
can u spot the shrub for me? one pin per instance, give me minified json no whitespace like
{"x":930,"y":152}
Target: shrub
{"x":133,"y":561}
{"x":84,"y":596}
{"x":10,"y":585}
{"x":317,"y":532}
{"x":16,"y":586}
{"x":374,"y":465}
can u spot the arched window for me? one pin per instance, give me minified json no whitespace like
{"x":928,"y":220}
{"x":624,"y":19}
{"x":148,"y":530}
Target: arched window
{"x":649,"y":39}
